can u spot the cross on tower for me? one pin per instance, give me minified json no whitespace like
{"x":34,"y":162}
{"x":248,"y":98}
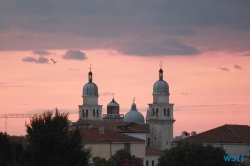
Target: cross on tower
{"x":113,"y":94}
{"x":161,"y":64}
{"x":90,"y":67}
{"x":133,"y":99}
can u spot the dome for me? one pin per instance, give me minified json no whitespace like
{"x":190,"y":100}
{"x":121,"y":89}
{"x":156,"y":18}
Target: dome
{"x":90,"y":89}
{"x":133,"y":115}
{"x":161,"y":87}
{"x":113,"y":103}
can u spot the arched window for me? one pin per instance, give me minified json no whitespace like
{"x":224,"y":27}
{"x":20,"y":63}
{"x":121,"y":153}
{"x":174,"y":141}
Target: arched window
{"x":93,"y":112}
{"x":97,"y":115}
{"x":168,"y":113}
{"x":157,"y":112}
{"x":87,"y":113}
{"x":165,"y":112}
{"x":83,"y":115}
{"x":153,"y":112}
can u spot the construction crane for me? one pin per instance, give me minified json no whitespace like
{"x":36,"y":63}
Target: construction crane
{"x":6,"y":116}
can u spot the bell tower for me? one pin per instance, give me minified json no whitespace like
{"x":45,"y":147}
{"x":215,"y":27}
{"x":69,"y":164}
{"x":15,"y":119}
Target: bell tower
{"x":90,"y":110}
{"x":160,"y":116}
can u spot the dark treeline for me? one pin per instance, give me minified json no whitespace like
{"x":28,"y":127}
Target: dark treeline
{"x":50,"y":141}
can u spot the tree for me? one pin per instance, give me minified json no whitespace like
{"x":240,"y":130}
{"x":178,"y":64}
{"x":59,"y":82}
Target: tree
{"x":11,"y":150}
{"x":17,"y":151}
{"x":193,"y":154}
{"x":120,"y":155}
{"x":51,"y":143}
{"x":5,"y":149}
{"x":97,"y":161}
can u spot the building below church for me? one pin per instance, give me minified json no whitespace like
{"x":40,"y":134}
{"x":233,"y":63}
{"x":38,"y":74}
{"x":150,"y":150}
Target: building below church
{"x":235,"y":139}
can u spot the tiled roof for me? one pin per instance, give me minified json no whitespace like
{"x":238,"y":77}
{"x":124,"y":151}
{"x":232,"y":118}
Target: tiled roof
{"x":81,"y":124}
{"x":120,"y":127}
{"x":91,"y":135}
{"x":223,"y":134}
{"x":151,"y":151}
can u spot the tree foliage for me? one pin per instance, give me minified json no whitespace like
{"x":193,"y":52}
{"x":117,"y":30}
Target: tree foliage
{"x":97,"y":161}
{"x":11,"y":150}
{"x":193,"y":154}
{"x":51,"y":143}
{"x":5,"y":149}
{"x":120,"y":155}
{"x":17,"y":151}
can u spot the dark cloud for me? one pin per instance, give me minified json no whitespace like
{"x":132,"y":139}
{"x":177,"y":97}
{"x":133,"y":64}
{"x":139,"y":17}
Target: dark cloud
{"x":35,"y":60}
{"x":106,"y":94}
{"x":74,"y":55}
{"x":29,"y":59}
{"x":72,"y":69}
{"x":180,"y":32}
{"x":248,"y":54}
{"x":238,"y":67}
{"x":168,"y":47}
{"x":41,"y":52}
{"x":223,"y":68}
{"x":159,"y":27}
{"x":3,"y":25}
{"x":42,"y":60}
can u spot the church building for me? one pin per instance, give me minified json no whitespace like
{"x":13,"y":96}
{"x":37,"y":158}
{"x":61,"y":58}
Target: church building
{"x":157,"y":133}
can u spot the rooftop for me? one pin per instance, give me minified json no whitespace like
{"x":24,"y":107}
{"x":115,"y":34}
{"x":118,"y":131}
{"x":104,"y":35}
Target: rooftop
{"x":123,"y":127}
{"x":151,"y":151}
{"x":113,"y":103}
{"x":120,"y":127}
{"x":223,"y":134}
{"x":94,"y":135}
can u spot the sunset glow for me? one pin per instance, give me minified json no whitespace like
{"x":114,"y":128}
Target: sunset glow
{"x":206,"y":63}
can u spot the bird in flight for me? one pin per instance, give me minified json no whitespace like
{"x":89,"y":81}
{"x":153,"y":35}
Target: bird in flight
{"x":53,"y":61}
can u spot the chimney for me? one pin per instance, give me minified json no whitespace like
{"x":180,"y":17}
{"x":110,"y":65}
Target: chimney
{"x":193,"y":133}
{"x":185,"y":134}
{"x":101,"y":129}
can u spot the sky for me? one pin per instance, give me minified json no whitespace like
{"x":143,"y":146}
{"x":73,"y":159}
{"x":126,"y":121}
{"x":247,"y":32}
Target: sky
{"x":203,"y":46}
